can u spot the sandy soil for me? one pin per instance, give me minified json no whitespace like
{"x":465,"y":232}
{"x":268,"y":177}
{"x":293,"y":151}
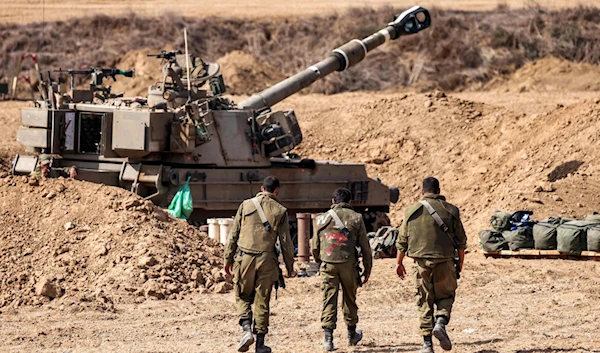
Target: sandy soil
{"x":502,"y":306}
{"x":496,"y":161}
{"x":507,"y":306}
{"x":492,"y":148}
{"x":53,"y":10}
{"x":10,"y":118}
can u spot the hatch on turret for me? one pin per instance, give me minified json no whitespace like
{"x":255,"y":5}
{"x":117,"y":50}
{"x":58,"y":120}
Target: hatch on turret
{"x":279,"y":132}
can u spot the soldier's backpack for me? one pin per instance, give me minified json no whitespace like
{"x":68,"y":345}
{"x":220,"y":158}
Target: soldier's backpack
{"x":519,"y":238}
{"x":544,"y":233}
{"x":571,"y":237}
{"x":492,"y":240}
{"x":593,"y":238}
{"x":383,"y":243}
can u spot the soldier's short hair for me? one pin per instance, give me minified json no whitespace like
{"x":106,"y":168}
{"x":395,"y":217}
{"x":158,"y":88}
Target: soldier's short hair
{"x":342,"y":195}
{"x":431,"y":185}
{"x":270,"y":184}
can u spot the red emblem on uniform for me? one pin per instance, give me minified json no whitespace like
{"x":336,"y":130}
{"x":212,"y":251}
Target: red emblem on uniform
{"x":339,"y":238}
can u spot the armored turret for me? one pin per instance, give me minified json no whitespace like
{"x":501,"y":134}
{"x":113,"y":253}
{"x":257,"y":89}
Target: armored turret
{"x":186,"y":130}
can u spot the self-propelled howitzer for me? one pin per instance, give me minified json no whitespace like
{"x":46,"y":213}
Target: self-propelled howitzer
{"x":186,"y":130}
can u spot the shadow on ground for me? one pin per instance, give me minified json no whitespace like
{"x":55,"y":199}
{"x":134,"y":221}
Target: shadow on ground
{"x":563,"y":170}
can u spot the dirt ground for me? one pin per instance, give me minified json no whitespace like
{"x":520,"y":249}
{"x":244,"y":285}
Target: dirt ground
{"x":55,"y":10}
{"x":523,"y":141}
{"x":502,"y":306}
{"x":9,"y":115}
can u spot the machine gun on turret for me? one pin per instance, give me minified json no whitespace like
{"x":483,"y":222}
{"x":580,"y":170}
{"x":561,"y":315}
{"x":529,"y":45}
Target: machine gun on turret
{"x":98,"y":74}
{"x":167,"y":55}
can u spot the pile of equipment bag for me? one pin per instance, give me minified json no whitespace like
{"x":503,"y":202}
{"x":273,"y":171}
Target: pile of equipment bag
{"x":515,"y":231}
{"x":383,"y":242}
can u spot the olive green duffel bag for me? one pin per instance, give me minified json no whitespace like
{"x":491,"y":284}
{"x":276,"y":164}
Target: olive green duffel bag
{"x":544,"y":233}
{"x":544,"y":236}
{"x":492,"y":240}
{"x":500,"y":220}
{"x":571,"y":237}
{"x":593,"y":238}
{"x":520,"y":238}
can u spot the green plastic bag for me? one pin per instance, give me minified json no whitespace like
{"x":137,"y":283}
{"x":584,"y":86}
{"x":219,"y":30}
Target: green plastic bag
{"x":182,"y":205}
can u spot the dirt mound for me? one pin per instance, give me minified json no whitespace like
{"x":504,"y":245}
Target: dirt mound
{"x":89,"y":245}
{"x":550,"y":74}
{"x":485,"y":157}
{"x":244,"y":74}
{"x":10,"y":120}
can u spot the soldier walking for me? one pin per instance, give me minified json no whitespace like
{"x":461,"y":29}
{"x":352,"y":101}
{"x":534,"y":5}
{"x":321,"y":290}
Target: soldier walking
{"x":338,"y":233}
{"x":431,"y":234}
{"x":251,"y":253}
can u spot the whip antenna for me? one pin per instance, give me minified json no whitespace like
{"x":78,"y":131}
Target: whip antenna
{"x":43,"y":24}
{"x":187,"y":65}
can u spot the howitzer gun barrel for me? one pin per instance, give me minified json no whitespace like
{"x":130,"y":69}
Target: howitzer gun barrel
{"x":410,"y":21}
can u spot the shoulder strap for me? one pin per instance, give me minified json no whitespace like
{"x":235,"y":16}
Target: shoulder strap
{"x":338,"y":222}
{"x":435,"y":216}
{"x":261,"y":214}
{"x":438,"y":219}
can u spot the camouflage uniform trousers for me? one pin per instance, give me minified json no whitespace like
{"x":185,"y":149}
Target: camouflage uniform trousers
{"x":254,"y":276}
{"x":334,"y":274}
{"x":436,"y":284}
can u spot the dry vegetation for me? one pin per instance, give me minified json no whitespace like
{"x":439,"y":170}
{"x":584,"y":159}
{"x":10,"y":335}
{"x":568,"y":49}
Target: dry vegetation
{"x":459,"y":50}
{"x":23,"y":11}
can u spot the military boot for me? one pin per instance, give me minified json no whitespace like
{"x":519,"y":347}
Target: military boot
{"x":247,"y":338}
{"x":328,"y":343}
{"x":354,"y":335}
{"x":260,"y":344}
{"x":427,"y":345}
{"x":439,"y":331}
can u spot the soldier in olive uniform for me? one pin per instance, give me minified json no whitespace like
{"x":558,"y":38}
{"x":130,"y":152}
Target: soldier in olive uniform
{"x":43,"y":169}
{"x":251,"y":253}
{"x":430,"y":234}
{"x":337,"y":234}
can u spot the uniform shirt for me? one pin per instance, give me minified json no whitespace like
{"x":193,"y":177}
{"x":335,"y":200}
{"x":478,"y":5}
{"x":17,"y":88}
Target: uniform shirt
{"x":421,"y":237}
{"x":331,"y":246}
{"x":250,"y":236}
{"x":54,"y":172}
